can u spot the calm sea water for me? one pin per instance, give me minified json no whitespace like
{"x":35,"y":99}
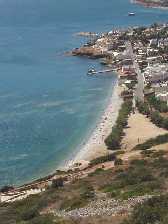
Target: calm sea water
{"x":47,"y":103}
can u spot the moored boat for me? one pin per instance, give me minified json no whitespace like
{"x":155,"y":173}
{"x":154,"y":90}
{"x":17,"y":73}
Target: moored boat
{"x":131,"y":14}
{"x":91,"y":71}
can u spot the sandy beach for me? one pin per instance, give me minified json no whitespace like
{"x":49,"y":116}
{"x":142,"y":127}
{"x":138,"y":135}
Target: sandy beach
{"x":95,"y":145}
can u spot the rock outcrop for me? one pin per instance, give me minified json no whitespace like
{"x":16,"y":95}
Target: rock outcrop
{"x":88,"y":51}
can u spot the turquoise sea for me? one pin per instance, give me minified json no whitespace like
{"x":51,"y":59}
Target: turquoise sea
{"x":47,"y":103}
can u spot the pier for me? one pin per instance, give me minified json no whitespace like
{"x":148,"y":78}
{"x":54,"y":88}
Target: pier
{"x":94,"y":72}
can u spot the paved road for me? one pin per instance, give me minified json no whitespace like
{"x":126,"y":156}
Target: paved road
{"x":139,"y":94}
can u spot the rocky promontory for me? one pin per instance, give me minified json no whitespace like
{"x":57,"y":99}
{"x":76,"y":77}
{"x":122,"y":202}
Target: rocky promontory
{"x":152,"y":3}
{"x":89,"y":51}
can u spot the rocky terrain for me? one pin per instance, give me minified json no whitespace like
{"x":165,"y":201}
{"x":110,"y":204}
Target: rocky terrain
{"x":153,"y":3}
{"x":105,"y":207}
{"x":88,"y":51}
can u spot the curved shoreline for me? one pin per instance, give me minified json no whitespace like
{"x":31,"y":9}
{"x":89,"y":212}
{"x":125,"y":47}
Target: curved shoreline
{"x":95,"y":146}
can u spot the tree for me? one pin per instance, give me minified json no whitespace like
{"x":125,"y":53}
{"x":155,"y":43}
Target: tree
{"x":56,"y":183}
{"x":156,"y":118}
{"x":6,"y":189}
{"x":114,"y":139}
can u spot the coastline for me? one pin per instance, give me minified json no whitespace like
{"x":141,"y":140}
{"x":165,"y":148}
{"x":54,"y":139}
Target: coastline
{"x":148,"y":5}
{"x":95,"y":146}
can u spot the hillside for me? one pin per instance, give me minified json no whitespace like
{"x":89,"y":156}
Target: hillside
{"x":129,"y":186}
{"x":107,"y":196}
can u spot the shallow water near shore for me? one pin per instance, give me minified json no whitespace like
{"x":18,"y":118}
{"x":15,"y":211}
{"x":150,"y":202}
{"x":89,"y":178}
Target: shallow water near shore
{"x":47,"y":103}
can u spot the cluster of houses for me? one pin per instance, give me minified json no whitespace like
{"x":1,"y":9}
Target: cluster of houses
{"x":152,"y":58}
{"x":150,"y":52}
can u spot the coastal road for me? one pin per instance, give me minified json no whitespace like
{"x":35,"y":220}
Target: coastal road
{"x":139,"y":92}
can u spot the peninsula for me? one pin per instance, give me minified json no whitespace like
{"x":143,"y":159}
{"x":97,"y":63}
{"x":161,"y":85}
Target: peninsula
{"x":152,"y":3}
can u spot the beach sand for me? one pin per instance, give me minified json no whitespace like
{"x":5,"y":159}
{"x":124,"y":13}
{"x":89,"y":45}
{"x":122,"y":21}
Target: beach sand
{"x":95,"y":145}
{"x":139,"y":130}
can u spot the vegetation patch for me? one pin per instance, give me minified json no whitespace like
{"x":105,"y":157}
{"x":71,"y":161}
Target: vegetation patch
{"x":80,"y":200}
{"x":158,"y":104}
{"x":118,"y":162}
{"x":140,"y":177}
{"x":119,"y":152}
{"x":158,"y":154}
{"x":70,"y":204}
{"x":113,"y":141}
{"x":137,"y":180}
{"x":102,"y":159}
{"x":97,"y":172}
{"x":161,"y":139}
{"x":155,"y":117}
{"x":147,"y":153}
{"x":153,"y":211}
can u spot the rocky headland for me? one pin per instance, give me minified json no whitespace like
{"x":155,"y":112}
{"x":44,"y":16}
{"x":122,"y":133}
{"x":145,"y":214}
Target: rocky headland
{"x":152,"y":3}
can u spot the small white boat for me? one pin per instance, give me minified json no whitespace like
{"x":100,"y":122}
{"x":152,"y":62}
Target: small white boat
{"x":91,"y":71}
{"x":131,"y":14}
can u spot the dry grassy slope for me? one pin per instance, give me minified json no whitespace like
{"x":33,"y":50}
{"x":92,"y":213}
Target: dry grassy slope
{"x":101,"y":192}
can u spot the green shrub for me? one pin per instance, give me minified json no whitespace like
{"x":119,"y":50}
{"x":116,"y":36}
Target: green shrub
{"x":57,"y":183}
{"x":147,"y":153}
{"x":118,"y":162}
{"x":114,"y":139}
{"x":135,"y":176}
{"x":158,"y":104}
{"x":153,"y":211}
{"x":160,"y":163}
{"x":138,"y":163}
{"x":159,"y":153}
{"x":102,"y":159}
{"x":112,"y":188}
{"x":73,"y":203}
{"x":161,"y":139}
{"x":137,"y":180}
{"x":47,"y":219}
{"x":119,"y":152}
{"x":156,"y":118}
{"x":88,"y":192}
{"x":97,"y":172}
{"x":143,"y":108}
{"x":29,"y":213}
{"x":6,"y":189}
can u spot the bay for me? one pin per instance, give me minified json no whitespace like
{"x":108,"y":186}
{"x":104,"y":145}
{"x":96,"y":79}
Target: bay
{"x":47,"y":103}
